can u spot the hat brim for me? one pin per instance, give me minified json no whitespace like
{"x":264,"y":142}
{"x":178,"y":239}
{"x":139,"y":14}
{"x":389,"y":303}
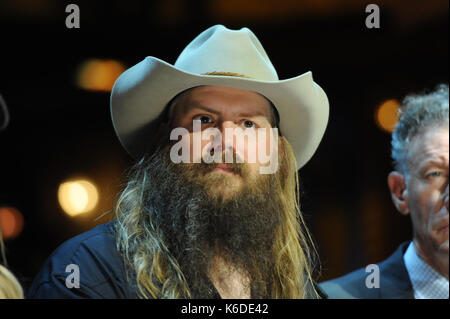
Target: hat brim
{"x":142,"y":92}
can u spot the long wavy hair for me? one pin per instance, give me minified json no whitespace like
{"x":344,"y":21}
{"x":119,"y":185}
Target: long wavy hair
{"x":158,"y":274}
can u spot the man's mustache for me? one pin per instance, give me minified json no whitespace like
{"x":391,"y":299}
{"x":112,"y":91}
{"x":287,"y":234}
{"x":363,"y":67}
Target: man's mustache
{"x":236,"y":166}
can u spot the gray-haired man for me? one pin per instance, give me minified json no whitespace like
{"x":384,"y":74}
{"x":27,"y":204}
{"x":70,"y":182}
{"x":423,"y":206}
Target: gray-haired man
{"x":419,"y":187}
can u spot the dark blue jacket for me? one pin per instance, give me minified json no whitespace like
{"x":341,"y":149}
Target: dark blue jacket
{"x":101,"y":269}
{"x":394,"y":281}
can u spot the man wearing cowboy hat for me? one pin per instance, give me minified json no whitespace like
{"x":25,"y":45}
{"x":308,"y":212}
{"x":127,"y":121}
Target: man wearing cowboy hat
{"x":187,"y":227}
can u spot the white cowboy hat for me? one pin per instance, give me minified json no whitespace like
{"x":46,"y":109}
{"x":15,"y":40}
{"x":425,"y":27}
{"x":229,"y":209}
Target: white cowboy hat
{"x":142,"y":92}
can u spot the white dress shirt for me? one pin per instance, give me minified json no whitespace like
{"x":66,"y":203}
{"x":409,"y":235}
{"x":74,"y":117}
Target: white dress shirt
{"x":427,"y":282}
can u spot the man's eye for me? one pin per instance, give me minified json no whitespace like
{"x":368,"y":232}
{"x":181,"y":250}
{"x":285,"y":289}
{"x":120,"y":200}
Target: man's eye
{"x":204,"y":119}
{"x":248,"y":124}
{"x":435,"y":174}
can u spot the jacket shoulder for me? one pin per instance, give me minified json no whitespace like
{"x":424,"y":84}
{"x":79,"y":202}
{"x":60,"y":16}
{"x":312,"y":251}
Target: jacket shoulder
{"x":95,"y":259}
{"x":393,"y":280}
{"x":349,"y":286}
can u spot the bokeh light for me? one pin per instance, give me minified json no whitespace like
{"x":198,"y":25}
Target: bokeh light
{"x":386,"y":115}
{"x":98,"y":75}
{"x":77,"y":197}
{"x":11,"y":222}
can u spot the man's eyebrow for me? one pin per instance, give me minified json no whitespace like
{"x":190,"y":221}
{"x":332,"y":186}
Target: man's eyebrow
{"x":434,"y":162}
{"x":197,"y":105}
{"x":439,"y":162}
{"x":248,"y":115}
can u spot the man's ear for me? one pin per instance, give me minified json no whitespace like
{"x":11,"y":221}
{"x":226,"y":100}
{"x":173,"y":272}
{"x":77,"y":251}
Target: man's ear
{"x":399,"y":192}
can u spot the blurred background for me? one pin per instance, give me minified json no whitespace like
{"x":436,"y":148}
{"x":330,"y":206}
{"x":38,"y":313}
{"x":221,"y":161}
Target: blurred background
{"x":61,"y":165}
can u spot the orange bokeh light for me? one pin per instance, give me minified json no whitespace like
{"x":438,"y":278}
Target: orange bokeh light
{"x":386,"y":115}
{"x":11,"y":222}
{"x":98,"y":75}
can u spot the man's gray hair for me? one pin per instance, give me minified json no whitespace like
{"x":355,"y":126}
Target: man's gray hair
{"x":417,"y":112}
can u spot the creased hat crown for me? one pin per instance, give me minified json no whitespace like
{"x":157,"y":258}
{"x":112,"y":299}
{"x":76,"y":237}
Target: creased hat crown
{"x":219,"y":49}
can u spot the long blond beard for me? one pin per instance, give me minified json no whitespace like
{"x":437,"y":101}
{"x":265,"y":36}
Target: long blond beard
{"x":155,"y":249}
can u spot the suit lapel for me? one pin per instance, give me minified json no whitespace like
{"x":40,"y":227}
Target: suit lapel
{"x":394,"y":280}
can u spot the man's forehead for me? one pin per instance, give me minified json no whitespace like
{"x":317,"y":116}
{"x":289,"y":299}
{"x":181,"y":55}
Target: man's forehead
{"x":431,"y":147}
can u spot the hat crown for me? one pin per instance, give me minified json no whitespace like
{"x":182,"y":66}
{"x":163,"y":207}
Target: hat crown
{"x":219,"y":49}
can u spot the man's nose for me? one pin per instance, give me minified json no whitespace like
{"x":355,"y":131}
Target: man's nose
{"x":225,"y":141}
{"x":227,"y":128}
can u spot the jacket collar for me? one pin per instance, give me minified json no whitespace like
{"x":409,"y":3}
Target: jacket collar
{"x":395,"y":282}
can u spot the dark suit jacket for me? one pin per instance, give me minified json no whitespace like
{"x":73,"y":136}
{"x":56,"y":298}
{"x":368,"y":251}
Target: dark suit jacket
{"x":394,"y":281}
